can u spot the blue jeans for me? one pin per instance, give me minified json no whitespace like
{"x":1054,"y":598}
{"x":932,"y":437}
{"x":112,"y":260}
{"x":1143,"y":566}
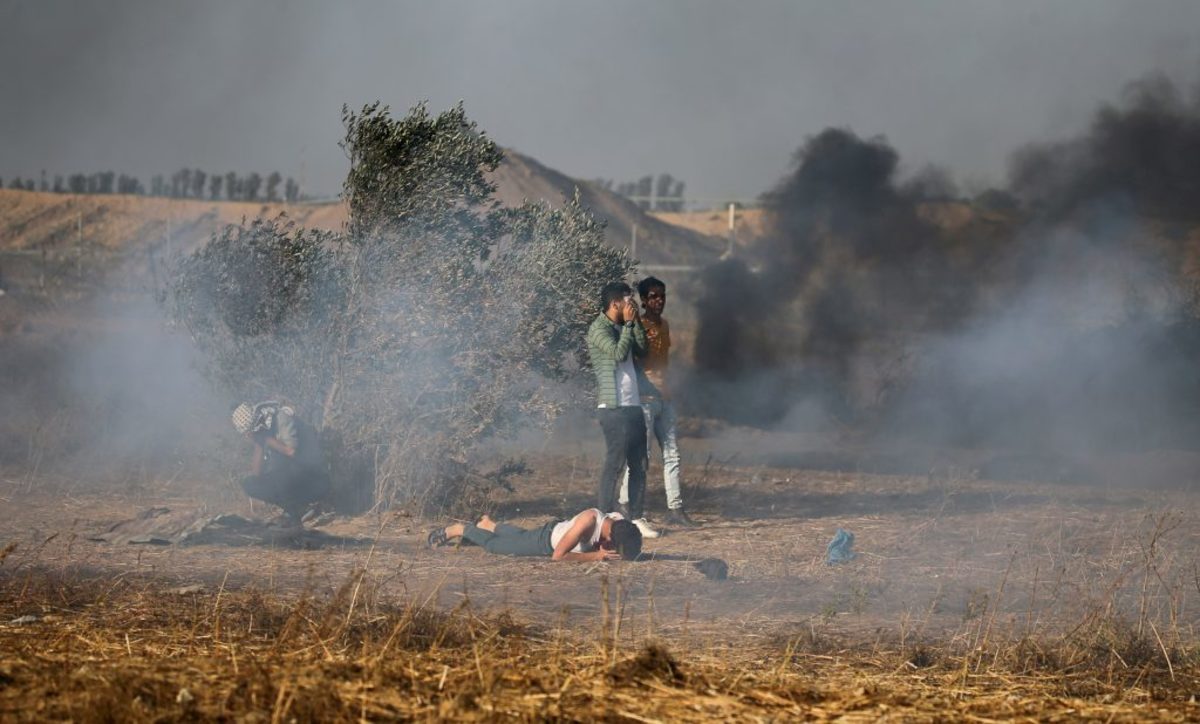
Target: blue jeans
{"x":660,"y":418}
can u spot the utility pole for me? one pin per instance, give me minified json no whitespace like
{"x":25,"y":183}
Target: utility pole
{"x":155,"y":261}
{"x":303,"y":165}
{"x":732,"y":230}
{"x":79,"y":245}
{"x":633,"y":243}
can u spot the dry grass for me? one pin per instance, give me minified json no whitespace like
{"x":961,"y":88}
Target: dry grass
{"x":140,"y":649}
{"x":970,"y":599}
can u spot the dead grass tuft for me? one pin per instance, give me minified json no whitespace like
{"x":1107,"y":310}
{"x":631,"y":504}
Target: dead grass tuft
{"x":654,"y":662}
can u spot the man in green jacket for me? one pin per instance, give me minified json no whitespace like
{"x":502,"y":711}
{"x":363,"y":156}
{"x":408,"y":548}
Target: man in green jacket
{"x":616,"y":341}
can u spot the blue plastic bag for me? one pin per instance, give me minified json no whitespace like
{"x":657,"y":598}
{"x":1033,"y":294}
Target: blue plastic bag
{"x":838,"y":550}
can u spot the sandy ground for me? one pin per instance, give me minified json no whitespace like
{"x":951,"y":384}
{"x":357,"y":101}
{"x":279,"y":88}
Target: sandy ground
{"x":968,"y":599}
{"x":934,"y":553}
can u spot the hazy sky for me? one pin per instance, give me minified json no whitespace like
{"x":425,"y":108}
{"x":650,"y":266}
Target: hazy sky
{"x":718,"y":94}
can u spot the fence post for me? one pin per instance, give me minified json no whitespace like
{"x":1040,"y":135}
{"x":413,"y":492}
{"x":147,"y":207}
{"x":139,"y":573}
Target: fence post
{"x":732,"y":231}
{"x":79,"y":246}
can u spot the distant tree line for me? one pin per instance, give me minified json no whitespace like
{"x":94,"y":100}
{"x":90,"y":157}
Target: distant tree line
{"x":650,"y":193}
{"x":186,"y":183}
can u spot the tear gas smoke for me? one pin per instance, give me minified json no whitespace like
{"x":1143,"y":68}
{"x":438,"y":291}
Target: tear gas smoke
{"x":107,"y":395}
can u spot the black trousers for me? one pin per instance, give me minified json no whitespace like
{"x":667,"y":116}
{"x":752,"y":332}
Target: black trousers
{"x":625,"y":444}
{"x":293,"y":490}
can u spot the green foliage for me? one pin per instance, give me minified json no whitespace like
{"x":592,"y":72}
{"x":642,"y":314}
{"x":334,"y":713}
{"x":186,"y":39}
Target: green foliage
{"x":551,"y":276}
{"x":262,"y":300}
{"x":423,"y":171}
{"x":437,"y":321}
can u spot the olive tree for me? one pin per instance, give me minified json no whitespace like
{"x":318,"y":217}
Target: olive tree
{"x":436,"y":320}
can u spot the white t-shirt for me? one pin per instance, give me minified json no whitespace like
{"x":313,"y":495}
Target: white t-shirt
{"x":584,"y":545}
{"x":627,"y":386}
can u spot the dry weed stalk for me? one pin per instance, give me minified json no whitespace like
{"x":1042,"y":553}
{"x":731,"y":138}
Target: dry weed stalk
{"x":130,"y":650}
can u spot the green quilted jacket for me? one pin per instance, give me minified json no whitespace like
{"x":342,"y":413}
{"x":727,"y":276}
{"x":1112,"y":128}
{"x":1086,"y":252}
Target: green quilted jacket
{"x":607,"y":345}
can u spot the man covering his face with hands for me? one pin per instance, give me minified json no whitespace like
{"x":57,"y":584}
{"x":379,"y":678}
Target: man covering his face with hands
{"x":616,"y":342}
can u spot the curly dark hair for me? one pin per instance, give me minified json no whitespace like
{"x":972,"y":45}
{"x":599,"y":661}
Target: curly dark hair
{"x":626,"y":539}
{"x":645,"y":285}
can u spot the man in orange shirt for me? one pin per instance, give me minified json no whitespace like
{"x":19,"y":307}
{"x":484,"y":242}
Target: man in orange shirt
{"x":658,"y":410}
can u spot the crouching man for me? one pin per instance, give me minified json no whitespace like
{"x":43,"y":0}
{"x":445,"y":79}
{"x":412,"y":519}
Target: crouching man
{"x":589,"y":536}
{"x":288,"y":469}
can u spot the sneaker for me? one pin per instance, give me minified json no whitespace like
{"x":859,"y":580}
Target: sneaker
{"x":644,"y":526}
{"x":436,"y":538}
{"x":678,"y":518}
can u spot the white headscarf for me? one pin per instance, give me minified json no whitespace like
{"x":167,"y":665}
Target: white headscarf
{"x":243,"y":418}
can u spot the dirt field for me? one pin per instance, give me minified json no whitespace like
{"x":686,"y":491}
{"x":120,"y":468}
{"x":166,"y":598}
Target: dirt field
{"x":969,"y":599}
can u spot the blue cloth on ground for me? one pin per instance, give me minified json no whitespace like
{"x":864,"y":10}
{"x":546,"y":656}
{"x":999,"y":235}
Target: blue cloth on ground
{"x":838,"y":550}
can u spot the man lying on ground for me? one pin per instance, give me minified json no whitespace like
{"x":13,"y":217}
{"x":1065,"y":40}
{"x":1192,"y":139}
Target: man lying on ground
{"x":589,"y":536}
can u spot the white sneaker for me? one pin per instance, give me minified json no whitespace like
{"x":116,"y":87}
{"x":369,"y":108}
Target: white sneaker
{"x":644,"y":526}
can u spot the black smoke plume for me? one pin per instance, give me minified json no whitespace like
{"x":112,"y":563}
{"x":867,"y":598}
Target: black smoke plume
{"x":1142,"y":155}
{"x":849,"y":262}
{"x":1054,"y":315}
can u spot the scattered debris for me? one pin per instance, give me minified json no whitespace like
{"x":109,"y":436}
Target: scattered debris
{"x":24,"y":620}
{"x":315,"y":518}
{"x":193,"y":588}
{"x":839,"y":549}
{"x":187,"y":527}
{"x":714,"y":569}
{"x":148,"y":540}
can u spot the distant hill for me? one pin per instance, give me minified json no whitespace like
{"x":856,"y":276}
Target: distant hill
{"x":61,"y":223}
{"x":749,"y":224}
{"x":521,"y":177}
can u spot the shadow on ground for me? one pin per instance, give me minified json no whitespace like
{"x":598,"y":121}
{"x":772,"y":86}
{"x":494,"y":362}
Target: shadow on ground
{"x":774,"y":501}
{"x":160,"y":526}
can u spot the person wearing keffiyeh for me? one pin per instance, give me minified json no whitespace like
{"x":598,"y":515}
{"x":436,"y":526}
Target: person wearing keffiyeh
{"x":288,"y":469}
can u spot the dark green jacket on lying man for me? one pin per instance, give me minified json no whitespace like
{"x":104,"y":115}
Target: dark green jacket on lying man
{"x":609,"y":344}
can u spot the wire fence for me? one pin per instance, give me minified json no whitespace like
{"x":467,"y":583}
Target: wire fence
{"x":669,"y":204}
{"x":48,"y":271}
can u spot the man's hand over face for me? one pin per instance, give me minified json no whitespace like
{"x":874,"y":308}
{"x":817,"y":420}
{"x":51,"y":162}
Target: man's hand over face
{"x":629,"y":310}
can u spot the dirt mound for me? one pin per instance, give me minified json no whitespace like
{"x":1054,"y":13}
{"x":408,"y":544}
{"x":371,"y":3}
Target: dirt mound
{"x":654,"y":663}
{"x":30,"y":221}
{"x":749,"y":224}
{"x":658,"y":242}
